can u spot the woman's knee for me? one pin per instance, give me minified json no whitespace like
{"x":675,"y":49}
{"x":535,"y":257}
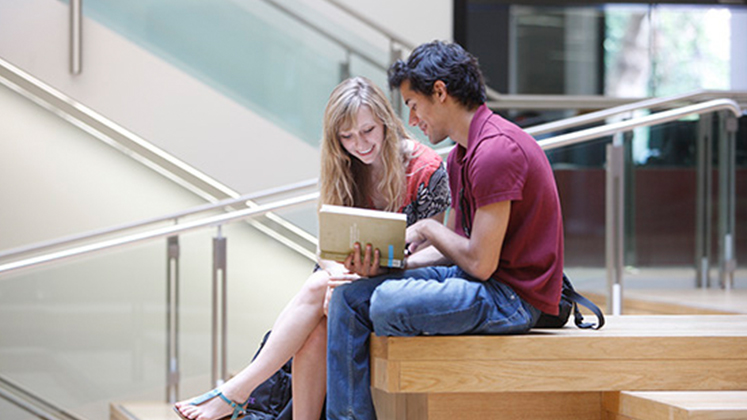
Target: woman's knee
{"x":316,"y":285}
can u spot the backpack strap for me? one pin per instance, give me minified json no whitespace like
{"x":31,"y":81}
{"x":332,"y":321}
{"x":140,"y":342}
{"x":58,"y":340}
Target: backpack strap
{"x":578,"y":318}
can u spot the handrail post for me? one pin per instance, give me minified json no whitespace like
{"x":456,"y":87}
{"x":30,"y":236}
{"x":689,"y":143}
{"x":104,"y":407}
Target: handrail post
{"x":394,"y":55}
{"x":727,"y":200}
{"x":703,"y":201}
{"x":219,"y":310}
{"x":345,"y":67}
{"x":614,"y":222}
{"x":76,"y":36}
{"x":172,"y":319}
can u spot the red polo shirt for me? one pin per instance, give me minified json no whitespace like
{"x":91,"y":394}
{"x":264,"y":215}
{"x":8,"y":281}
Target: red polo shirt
{"x":503,"y":162}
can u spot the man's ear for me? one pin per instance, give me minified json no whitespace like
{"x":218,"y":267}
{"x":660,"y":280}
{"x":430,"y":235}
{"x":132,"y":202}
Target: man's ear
{"x":439,"y":90}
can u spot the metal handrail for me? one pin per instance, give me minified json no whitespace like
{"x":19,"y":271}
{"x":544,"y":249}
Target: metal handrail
{"x":111,"y":133}
{"x":547,"y":144}
{"x":581,"y":136}
{"x":654,"y":103}
{"x":373,"y":25}
{"x":158,"y":233}
{"x":68,"y":240}
{"x":32,"y":403}
{"x":325,"y":33}
{"x":133,"y":146}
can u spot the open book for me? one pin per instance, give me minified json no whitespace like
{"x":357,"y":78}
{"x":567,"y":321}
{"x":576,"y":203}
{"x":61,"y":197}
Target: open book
{"x":341,"y":227}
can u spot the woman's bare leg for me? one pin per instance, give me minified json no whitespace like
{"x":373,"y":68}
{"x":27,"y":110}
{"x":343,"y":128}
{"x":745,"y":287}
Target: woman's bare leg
{"x":310,"y":375}
{"x":292,"y":327}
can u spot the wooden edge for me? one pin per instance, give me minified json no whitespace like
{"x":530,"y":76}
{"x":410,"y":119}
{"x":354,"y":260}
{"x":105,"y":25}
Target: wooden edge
{"x":385,"y":375}
{"x":379,"y":346}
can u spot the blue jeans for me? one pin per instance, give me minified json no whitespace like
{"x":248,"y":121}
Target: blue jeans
{"x":424,"y":301}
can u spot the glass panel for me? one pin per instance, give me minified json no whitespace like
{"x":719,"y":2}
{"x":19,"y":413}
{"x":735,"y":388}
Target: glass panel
{"x":92,"y":331}
{"x":87,"y":331}
{"x":660,"y":194}
{"x":580,"y":176}
{"x":249,"y":50}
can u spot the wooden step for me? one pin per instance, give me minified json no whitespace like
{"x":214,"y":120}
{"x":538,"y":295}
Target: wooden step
{"x":142,"y":410}
{"x":682,"y":405}
{"x":632,"y":353}
{"x":417,"y":377}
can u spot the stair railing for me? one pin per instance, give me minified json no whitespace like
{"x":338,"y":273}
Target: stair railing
{"x":32,"y":403}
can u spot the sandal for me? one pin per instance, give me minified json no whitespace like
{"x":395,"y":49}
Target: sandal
{"x":238,"y":409}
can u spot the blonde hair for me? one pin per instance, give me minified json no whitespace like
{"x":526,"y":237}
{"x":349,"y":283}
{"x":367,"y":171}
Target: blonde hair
{"x":344,"y":179}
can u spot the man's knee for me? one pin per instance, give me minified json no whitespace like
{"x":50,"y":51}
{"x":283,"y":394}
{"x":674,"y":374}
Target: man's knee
{"x":388,"y":309}
{"x":353,"y":296}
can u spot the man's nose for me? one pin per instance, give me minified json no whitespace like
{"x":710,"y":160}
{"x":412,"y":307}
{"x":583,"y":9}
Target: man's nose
{"x":413,"y":120}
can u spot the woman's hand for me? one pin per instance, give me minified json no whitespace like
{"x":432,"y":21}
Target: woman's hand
{"x":368,"y":266}
{"x":334,"y":281}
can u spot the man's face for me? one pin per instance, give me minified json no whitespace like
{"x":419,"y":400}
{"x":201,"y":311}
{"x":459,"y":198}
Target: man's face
{"x":425,"y":113}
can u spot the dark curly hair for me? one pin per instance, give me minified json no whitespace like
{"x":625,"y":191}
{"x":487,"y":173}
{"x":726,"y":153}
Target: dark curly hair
{"x":447,"y":62}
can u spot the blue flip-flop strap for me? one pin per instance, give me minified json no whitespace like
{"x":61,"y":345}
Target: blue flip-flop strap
{"x":238,"y":409}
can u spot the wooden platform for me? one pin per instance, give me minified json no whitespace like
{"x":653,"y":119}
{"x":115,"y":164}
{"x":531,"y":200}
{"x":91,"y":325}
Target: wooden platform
{"x":683,"y":405}
{"x":428,"y":377}
{"x":678,"y":302}
{"x":142,"y":410}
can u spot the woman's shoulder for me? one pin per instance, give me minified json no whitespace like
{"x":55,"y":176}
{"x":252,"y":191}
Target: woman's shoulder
{"x":421,"y":158}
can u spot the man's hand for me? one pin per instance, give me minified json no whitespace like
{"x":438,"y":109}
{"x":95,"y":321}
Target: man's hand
{"x":365,"y":266}
{"x":415,"y":238}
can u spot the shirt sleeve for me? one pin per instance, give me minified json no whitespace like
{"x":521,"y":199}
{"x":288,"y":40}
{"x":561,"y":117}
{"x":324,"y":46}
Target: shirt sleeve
{"x":498,"y":172}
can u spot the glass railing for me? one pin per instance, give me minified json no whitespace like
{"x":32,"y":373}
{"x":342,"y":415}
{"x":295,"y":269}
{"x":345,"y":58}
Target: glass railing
{"x":278,"y":58}
{"x":91,"y":331}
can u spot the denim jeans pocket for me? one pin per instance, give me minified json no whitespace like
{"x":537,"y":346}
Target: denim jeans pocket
{"x":508,"y":315}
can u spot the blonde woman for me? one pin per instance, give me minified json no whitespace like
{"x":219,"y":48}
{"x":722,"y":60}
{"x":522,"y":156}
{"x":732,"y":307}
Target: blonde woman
{"x":368,"y":160}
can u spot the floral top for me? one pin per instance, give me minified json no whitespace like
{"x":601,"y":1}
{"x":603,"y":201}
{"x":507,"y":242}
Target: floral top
{"x":427,"y":185}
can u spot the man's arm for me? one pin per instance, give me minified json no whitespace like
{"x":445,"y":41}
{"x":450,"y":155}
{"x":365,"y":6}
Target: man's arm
{"x":478,"y":255}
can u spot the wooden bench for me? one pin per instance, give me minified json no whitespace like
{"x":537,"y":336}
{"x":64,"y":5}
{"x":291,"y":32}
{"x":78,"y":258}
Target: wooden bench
{"x":555,"y":373}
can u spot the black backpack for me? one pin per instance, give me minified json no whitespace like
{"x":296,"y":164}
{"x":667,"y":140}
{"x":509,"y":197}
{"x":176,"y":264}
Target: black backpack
{"x":570,"y":299}
{"x":272,"y":399}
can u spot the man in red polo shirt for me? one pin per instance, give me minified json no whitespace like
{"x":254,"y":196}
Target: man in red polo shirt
{"x":494,"y":267}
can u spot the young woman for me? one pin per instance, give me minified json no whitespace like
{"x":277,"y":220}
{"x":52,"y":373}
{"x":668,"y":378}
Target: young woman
{"x":369,"y":161}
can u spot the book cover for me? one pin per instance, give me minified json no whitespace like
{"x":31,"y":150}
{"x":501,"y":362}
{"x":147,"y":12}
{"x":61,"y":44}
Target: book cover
{"x":341,"y":227}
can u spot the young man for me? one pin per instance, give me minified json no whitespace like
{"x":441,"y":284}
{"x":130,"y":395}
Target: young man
{"x":496,"y":264}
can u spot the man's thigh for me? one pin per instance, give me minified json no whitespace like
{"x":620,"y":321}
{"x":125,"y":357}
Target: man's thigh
{"x":448,"y":302}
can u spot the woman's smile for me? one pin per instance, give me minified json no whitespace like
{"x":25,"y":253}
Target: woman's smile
{"x":367,"y":151}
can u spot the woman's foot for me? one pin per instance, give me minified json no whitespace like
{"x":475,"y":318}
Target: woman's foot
{"x":214,"y":405}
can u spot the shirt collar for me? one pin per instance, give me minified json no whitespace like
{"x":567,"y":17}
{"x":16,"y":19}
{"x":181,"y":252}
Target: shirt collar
{"x":481,"y":116}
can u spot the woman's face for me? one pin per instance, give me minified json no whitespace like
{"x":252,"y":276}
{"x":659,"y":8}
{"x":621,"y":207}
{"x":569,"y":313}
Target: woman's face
{"x":365,"y":138}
